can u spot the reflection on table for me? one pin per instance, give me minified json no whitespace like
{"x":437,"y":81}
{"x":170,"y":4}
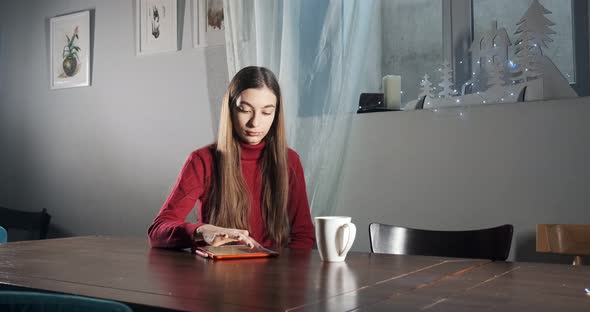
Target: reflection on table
{"x":127,"y":270}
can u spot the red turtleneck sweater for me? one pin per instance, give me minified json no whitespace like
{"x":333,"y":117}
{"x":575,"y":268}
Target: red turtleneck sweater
{"x":170,"y":230}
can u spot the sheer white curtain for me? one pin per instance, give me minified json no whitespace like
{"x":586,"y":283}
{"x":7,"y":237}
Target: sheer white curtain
{"x":325,"y":53}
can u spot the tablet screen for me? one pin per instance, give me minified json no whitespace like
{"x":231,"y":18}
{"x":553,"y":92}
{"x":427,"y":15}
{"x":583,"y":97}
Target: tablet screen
{"x":236,"y":251}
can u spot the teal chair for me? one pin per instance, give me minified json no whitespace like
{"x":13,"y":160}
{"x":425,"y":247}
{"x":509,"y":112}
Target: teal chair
{"x":3,"y":235}
{"x":48,"y":302}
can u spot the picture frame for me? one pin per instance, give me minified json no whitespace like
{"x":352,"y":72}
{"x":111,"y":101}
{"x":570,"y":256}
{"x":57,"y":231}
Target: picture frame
{"x":156,"y":26}
{"x":69,"y":50}
{"x":208,"y":23}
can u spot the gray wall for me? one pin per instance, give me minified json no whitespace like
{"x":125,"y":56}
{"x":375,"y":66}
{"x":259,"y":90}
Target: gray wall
{"x":469,"y":168}
{"x":103,"y":158}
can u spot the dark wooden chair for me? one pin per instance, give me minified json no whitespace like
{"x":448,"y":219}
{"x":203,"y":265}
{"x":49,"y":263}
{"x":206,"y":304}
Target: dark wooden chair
{"x":34,"y":223}
{"x":493,"y":243}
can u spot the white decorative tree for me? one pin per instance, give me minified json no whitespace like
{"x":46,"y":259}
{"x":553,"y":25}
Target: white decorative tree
{"x":497,"y":75}
{"x":446,"y":80}
{"x":528,"y":68}
{"x":426,"y":87}
{"x":533,"y":29}
{"x":533,"y":34}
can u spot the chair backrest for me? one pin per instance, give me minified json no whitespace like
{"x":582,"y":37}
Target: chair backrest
{"x":36,"y":301}
{"x":493,"y":243}
{"x":3,"y":235}
{"x":33,"y":222}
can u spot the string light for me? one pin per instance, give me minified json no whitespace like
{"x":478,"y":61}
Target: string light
{"x":511,"y":63}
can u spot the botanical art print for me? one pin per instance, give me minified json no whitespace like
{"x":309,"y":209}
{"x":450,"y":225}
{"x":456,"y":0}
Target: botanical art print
{"x":215,"y":15}
{"x":71,"y":61}
{"x":208,"y":23}
{"x":156,"y":26}
{"x":155,"y":20}
{"x":70,"y":50}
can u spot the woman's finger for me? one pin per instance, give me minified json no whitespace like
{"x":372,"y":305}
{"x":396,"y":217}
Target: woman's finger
{"x":220,"y":240}
{"x":249,"y":241}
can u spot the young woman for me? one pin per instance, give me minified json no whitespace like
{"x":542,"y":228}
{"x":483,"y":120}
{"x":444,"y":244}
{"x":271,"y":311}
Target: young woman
{"x":249,"y":186}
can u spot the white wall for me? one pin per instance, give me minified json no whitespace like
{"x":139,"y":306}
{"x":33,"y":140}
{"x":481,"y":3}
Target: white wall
{"x":522,"y":164}
{"x":103,"y":158}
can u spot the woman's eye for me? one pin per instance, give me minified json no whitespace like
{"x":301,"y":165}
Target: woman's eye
{"x":244,"y":110}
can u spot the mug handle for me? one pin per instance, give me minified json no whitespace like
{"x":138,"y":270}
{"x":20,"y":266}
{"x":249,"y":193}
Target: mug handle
{"x":350,"y":239}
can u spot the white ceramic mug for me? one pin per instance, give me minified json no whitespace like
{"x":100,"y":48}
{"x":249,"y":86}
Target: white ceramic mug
{"x":334,"y":236}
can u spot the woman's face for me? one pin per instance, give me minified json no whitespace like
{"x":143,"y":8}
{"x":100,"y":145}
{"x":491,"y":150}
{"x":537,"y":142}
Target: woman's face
{"x":253,"y":114}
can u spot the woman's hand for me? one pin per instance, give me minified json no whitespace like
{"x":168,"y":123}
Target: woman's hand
{"x":216,"y":236}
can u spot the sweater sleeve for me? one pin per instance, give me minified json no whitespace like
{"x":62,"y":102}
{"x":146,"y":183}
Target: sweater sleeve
{"x":169,"y":229}
{"x":302,"y":231}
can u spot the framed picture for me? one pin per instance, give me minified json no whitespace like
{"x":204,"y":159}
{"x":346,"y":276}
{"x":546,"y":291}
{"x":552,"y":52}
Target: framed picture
{"x":69,"y":50}
{"x":208,"y":23}
{"x":156,"y":26}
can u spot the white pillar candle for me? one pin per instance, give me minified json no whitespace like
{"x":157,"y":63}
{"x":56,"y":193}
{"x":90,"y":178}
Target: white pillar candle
{"x":392,"y":86}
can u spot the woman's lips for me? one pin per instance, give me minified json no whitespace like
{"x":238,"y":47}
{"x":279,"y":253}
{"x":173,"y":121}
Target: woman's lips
{"x":252,"y":133}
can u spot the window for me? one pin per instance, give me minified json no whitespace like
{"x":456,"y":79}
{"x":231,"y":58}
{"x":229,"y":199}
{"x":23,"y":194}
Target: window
{"x":507,"y":13}
{"x":419,"y":35}
{"x":412,"y":42}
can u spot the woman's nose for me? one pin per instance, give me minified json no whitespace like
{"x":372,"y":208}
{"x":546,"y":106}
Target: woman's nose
{"x":253,"y":122}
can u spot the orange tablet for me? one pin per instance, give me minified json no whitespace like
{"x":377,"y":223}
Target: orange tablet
{"x":234,"y":252}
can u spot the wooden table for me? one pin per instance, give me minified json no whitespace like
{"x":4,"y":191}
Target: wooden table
{"x":127,"y":270}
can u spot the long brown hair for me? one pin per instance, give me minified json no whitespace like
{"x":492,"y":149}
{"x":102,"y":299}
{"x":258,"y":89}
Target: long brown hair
{"x":229,"y":199}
